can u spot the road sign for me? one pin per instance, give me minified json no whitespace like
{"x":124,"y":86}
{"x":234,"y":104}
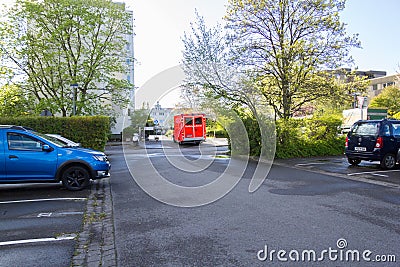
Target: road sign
{"x":156,"y":122}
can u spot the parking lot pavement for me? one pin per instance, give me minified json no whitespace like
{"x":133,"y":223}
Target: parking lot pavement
{"x":39,"y":224}
{"x":368,"y":172}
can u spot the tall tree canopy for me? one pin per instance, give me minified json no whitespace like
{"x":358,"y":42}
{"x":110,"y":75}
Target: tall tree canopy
{"x":56,"y":43}
{"x":389,"y":98}
{"x":285,"y":48}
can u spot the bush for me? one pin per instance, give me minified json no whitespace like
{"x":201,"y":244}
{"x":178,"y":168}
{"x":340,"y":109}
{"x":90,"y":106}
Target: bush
{"x":309,"y":137}
{"x":299,"y":137}
{"x":90,"y":131}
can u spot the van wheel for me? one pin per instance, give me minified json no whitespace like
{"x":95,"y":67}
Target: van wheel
{"x":75,"y":178}
{"x":388,"y":161}
{"x":354,"y":162}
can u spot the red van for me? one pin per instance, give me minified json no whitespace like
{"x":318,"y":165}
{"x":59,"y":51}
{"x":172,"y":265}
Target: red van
{"x":189,"y":128}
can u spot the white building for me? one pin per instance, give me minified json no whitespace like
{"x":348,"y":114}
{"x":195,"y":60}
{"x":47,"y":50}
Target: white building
{"x":160,"y":115}
{"x":123,"y":120}
{"x":378,"y":84}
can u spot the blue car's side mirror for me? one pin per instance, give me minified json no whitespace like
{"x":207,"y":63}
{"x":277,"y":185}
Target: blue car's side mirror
{"x":46,"y":148}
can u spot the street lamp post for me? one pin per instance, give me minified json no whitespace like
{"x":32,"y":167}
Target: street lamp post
{"x":74,"y":88}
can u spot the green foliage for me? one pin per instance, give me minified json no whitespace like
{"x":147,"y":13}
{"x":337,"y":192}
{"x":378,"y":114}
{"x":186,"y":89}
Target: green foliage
{"x":253,"y":132}
{"x":139,"y":118}
{"x":169,"y":133}
{"x":298,"y":137}
{"x":396,"y":116}
{"x":215,"y":129}
{"x":272,"y":52}
{"x":309,"y":137}
{"x":90,"y":131}
{"x":14,"y":102}
{"x":389,"y":98}
{"x":309,"y":35}
{"x":56,"y":43}
{"x":128,"y":132}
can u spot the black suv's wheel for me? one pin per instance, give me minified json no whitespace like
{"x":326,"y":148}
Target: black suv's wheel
{"x":75,"y":178}
{"x":354,"y":162}
{"x":388,"y":161}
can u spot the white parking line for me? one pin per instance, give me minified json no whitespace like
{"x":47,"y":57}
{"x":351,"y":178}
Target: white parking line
{"x":44,"y":214}
{"x":37,"y":240}
{"x":374,"y":172}
{"x":380,"y":175}
{"x":58,"y":214}
{"x":312,"y":163}
{"x":44,"y":199}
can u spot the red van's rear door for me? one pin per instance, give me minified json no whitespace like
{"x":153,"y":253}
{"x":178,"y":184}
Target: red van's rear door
{"x":198,"y":127}
{"x":189,"y":128}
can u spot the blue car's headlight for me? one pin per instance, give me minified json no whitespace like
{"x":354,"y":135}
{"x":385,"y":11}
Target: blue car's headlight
{"x":100,"y":158}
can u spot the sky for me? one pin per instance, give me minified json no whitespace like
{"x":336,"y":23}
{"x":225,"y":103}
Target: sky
{"x":160,"y":25}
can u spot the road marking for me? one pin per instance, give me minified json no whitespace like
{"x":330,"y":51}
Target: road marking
{"x":37,"y":240}
{"x":312,"y":163}
{"x":380,"y":175}
{"x":360,"y":173}
{"x":44,"y":199}
{"x":44,"y":214}
{"x":58,"y":214}
{"x":344,"y":176}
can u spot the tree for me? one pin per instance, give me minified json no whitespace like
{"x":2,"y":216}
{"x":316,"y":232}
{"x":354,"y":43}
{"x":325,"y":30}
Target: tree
{"x":14,"y":102}
{"x":291,"y":44}
{"x":211,"y":74}
{"x":139,"y":118}
{"x":56,"y":43}
{"x":389,"y":98}
{"x":274,"y":52}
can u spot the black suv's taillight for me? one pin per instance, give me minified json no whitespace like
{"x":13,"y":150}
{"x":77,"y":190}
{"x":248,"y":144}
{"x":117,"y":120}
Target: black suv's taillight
{"x":346,"y":145}
{"x":379,"y":142}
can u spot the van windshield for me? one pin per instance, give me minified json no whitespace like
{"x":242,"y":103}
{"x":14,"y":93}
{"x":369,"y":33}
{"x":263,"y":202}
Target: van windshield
{"x":365,"y":128}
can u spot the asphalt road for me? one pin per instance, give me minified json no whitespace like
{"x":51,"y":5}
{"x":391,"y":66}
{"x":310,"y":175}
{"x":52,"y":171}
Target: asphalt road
{"x":38,"y":224}
{"x":295,"y":211}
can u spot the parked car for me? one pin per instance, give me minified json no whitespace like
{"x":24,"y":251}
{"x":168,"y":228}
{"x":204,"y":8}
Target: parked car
{"x":374,"y":140}
{"x":64,"y":140}
{"x":27,"y":156}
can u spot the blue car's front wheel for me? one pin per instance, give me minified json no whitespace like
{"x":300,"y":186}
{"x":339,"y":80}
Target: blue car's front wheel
{"x":75,"y":178}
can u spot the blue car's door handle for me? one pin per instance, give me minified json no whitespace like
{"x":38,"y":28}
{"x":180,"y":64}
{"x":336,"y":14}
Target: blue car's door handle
{"x":12,"y":157}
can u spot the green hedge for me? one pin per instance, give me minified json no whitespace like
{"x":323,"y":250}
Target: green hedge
{"x":308,"y":137}
{"x":90,"y":131}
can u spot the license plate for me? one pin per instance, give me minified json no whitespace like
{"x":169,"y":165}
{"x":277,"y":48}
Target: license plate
{"x":358,"y":148}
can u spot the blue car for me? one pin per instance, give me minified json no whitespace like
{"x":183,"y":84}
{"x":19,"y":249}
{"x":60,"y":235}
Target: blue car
{"x":27,"y":156}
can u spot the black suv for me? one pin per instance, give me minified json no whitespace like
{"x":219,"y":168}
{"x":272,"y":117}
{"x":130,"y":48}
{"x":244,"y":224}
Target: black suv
{"x":374,"y":140}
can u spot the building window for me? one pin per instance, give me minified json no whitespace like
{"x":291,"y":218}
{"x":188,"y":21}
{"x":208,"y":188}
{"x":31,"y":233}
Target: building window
{"x":374,"y":87}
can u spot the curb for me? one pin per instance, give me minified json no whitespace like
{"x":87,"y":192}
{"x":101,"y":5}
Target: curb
{"x":95,"y":243}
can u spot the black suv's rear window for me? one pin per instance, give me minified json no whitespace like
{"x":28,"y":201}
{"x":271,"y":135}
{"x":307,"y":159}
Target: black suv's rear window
{"x":366,"y":128}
